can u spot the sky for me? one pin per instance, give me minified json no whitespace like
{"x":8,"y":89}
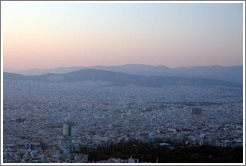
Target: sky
{"x":51,"y":34}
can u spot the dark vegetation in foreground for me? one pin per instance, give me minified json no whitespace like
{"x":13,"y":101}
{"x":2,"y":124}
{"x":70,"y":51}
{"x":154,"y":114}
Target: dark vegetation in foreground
{"x":166,"y":154}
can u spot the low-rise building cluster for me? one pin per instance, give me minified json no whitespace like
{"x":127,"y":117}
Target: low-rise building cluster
{"x":50,"y":122}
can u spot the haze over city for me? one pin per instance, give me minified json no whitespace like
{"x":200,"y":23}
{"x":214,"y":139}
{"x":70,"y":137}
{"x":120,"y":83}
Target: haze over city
{"x":51,"y":34}
{"x":122,"y":82}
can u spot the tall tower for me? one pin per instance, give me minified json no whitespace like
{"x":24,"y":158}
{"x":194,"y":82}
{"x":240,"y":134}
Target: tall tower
{"x":30,"y":89}
{"x":66,"y":129}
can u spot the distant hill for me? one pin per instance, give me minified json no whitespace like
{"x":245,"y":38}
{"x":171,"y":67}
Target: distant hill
{"x":230,"y":73}
{"x":223,"y":73}
{"x":119,"y":79}
{"x":13,"y":76}
{"x":59,"y":70}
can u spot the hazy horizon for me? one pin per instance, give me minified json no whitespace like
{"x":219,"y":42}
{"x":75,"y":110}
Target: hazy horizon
{"x":115,"y":66}
{"x":50,"y":35}
{"x":145,"y":82}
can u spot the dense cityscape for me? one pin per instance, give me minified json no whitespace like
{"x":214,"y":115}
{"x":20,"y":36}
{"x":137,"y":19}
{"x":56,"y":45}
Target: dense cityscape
{"x":51,"y":122}
{"x":123,"y":82}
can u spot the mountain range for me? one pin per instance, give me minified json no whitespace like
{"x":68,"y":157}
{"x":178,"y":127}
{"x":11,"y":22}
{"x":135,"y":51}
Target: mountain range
{"x":119,"y":79}
{"x":222,"y":73}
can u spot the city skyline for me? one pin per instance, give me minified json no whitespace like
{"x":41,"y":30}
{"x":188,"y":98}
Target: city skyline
{"x":123,"y":82}
{"x":49,"y":35}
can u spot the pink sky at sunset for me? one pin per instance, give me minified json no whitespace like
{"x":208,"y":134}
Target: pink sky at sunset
{"x":47,"y":35}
